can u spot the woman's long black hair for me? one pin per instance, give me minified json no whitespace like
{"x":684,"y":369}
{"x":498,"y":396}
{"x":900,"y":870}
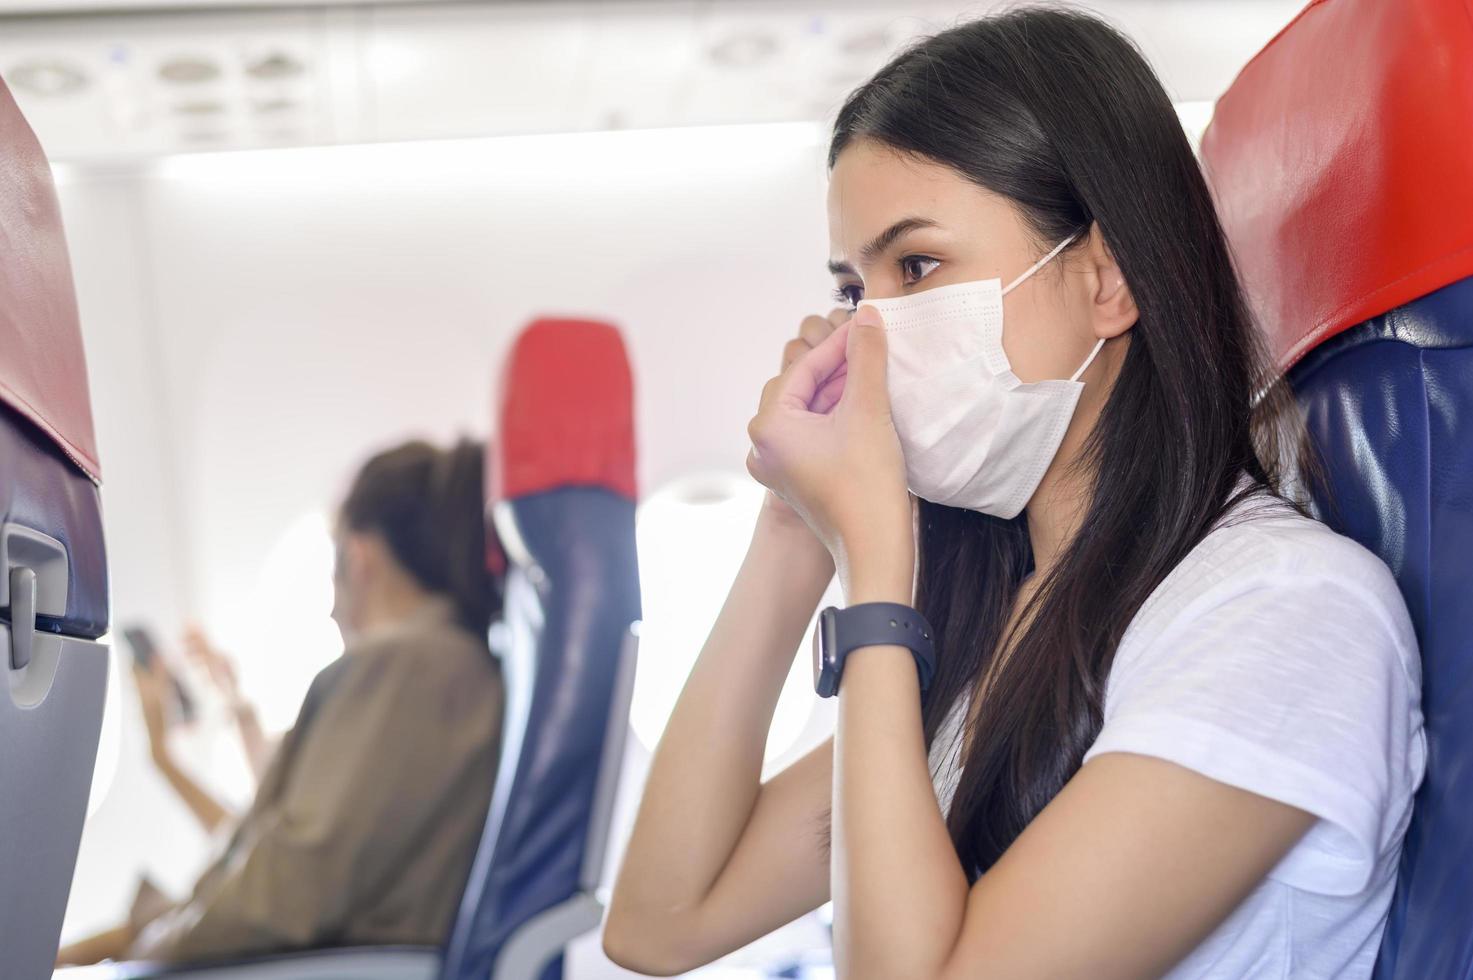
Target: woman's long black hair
{"x":1059,"y":112}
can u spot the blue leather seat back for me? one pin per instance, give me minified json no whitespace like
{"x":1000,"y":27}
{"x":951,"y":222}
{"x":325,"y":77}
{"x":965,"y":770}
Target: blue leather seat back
{"x":40,"y":489}
{"x":1389,"y":404}
{"x":568,"y":617}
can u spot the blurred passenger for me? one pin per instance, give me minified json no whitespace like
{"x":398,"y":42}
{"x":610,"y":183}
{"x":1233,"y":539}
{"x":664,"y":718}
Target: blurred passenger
{"x":366,"y":821}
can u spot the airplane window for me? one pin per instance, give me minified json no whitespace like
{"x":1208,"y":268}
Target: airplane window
{"x":110,"y":740}
{"x":287,"y":634}
{"x":692,"y":535}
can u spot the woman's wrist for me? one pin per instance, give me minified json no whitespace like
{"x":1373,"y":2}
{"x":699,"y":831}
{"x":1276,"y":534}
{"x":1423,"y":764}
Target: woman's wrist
{"x":788,"y":534}
{"x":163,"y":759}
{"x":878,"y":565}
{"x":879,"y":590}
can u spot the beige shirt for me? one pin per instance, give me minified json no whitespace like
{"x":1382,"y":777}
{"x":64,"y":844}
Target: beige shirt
{"x":366,"y":823}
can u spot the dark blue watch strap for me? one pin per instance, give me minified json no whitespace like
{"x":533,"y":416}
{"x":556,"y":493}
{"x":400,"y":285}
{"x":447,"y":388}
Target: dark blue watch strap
{"x":871,"y":624}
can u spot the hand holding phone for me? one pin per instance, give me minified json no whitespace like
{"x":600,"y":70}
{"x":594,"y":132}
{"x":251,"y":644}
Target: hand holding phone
{"x":146,"y":657}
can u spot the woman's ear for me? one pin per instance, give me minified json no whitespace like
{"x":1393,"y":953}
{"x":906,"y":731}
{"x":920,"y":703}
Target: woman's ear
{"x":357,"y":557}
{"x":1112,"y":309}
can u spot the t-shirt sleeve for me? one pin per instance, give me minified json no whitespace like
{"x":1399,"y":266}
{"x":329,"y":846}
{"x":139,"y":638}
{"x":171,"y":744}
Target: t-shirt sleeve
{"x":1296,"y":683}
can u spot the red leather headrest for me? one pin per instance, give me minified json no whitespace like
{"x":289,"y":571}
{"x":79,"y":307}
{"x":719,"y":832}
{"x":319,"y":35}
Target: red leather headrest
{"x":567,"y":411}
{"x":1342,"y":165}
{"x":43,"y":373}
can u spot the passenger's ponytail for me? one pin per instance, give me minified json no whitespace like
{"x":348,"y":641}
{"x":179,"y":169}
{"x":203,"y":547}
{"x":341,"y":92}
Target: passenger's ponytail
{"x":459,"y":500}
{"x":428,"y":504}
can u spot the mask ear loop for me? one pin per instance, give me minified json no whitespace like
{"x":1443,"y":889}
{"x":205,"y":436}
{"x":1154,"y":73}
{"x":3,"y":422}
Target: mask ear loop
{"x":1040,"y":263}
{"x":1088,"y":360}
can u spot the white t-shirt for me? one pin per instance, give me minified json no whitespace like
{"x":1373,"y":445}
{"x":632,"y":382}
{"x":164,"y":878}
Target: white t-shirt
{"x":1278,"y":657}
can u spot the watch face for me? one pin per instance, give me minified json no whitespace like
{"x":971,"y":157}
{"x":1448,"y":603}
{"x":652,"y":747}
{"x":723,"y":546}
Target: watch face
{"x":825,"y":648}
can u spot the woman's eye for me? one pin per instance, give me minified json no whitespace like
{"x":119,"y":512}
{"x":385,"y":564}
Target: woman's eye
{"x":849,"y":294}
{"x":914,"y":268}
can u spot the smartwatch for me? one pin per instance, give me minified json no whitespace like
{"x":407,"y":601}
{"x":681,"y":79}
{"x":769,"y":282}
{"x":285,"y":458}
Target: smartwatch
{"x":869,"y":624}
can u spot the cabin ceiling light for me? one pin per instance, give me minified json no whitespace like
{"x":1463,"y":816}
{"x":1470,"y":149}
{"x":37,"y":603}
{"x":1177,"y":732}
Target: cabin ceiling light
{"x":871,"y":41}
{"x":204,"y":137}
{"x":189,"y":70}
{"x":200,"y":107}
{"x":744,"y":50}
{"x":274,"y":67}
{"x":274,"y":107}
{"x":47,"y":77}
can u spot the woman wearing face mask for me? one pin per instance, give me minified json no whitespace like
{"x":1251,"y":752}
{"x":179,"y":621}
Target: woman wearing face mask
{"x":1108,"y":705}
{"x":366,"y":822}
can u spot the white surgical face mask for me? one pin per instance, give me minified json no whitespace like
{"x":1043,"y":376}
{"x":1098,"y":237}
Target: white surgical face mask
{"x":973,"y":434}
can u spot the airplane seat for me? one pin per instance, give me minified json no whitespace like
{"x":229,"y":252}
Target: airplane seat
{"x":561,"y":485}
{"x":1340,"y":162}
{"x":564,"y":502}
{"x":53,"y":570}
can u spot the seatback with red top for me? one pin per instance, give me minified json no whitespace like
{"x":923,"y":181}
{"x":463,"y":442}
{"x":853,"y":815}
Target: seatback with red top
{"x":1343,"y":169}
{"x":53,"y":571}
{"x":563,"y":500}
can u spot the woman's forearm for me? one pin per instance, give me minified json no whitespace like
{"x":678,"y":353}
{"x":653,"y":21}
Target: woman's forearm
{"x":706,"y":773}
{"x":109,"y":945}
{"x":257,"y":746}
{"x":899,"y":891}
{"x":206,"y":810}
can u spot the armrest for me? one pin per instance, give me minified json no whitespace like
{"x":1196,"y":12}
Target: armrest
{"x":353,"y":963}
{"x":545,"y":936}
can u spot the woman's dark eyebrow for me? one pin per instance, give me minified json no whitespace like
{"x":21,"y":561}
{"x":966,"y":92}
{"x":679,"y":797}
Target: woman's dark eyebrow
{"x":877,"y":245}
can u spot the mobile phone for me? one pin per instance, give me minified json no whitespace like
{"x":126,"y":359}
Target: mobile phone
{"x":141,"y":644}
{"x":145,"y":653}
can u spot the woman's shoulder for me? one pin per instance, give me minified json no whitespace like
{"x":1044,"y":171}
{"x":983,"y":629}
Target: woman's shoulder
{"x":1264,"y":536}
{"x":424,"y":653}
{"x":1278,"y":657}
{"x":1285,"y":571}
